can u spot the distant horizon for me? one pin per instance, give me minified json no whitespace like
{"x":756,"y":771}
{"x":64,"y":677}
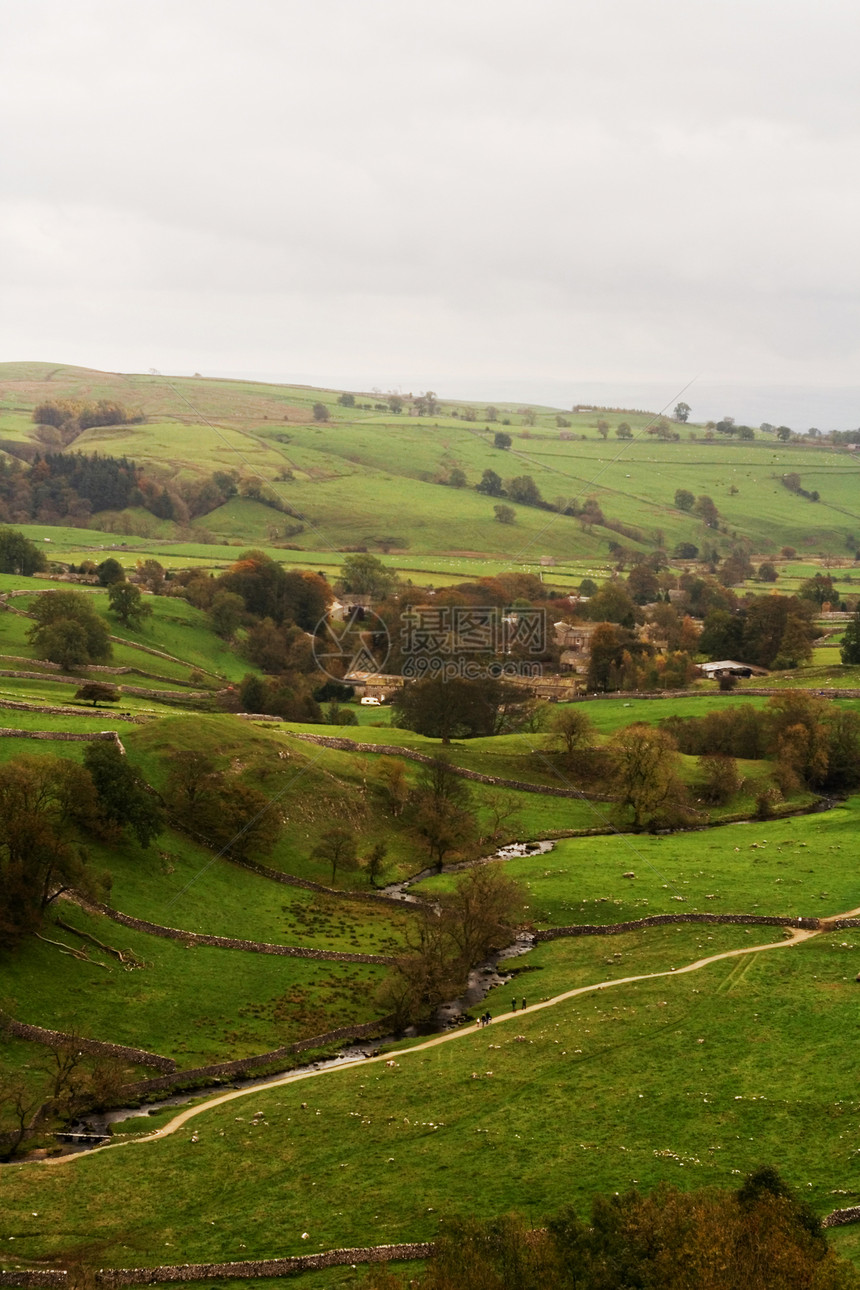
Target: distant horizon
{"x":801,"y":407}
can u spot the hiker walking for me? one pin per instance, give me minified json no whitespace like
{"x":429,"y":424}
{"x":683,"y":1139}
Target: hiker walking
{"x":523,"y":1006}
{"x":514,"y":1005}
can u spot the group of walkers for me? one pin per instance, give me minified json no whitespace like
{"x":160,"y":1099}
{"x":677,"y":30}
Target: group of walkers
{"x":487,"y":1017}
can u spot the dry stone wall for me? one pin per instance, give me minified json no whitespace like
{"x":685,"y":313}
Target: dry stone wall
{"x":242,"y":1065}
{"x":69,"y":736}
{"x":70,"y":712}
{"x":288,"y":880}
{"x":247,"y":1268}
{"x":224,"y":942}
{"x":658,"y":920}
{"x":100,"y":1047}
{"x":409,"y":754}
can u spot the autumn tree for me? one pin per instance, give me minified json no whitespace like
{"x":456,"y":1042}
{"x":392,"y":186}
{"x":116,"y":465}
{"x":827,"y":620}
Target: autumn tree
{"x":482,"y":913}
{"x":719,"y":779}
{"x":574,"y":735}
{"x":338,"y":848}
{"x":441,"y":809}
{"x":393,"y":783}
{"x":374,"y":862}
{"x":645,"y":774}
{"x":46,"y":803}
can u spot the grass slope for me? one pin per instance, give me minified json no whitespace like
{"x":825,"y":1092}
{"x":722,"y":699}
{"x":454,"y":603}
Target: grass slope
{"x":365,"y":474}
{"x":693,"y":1079}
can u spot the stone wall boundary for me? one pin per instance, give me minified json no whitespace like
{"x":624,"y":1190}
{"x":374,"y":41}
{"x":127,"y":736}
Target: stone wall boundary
{"x":67,"y":736}
{"x":178,"y":696}
{"x":660,"y":920}
{"x":410,"y":754}
{"x":222,"y":942}
{"x":71,"y":712}
{"x":247,"y":1268}
{"x":242,"y":1065}
{"x":288,"y":879}
{"x":99,"y":1047}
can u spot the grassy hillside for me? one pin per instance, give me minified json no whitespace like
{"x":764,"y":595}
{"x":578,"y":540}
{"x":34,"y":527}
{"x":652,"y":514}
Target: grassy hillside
{"x":367,"y":474}
{"x":693,"y":1079}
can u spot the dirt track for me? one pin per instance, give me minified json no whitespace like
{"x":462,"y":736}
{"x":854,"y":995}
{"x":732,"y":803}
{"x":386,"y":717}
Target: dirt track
{"x":795,"y":937}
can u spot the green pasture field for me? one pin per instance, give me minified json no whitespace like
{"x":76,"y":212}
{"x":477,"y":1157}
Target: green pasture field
{"x":174,"y":627}
{"x":692,"y":1079}
{"x":803,"y":866}
{"x":318,"y":788}
{"x":196,"y":1004}
{"x":178,"y":883}
{"x":364,"y":474}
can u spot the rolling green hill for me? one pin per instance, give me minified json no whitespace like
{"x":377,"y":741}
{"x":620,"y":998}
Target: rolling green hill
{"x":368,"y":476}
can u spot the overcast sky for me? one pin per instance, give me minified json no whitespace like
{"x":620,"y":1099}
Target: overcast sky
{"x":541,"y":199}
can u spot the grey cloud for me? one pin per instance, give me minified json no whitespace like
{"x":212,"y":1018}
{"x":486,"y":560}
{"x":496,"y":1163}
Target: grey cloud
{"x":564,"y":189}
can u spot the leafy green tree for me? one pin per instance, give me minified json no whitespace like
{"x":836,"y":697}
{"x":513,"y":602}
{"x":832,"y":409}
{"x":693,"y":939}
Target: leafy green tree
{"x":682,"y":411}
{"x":611,"y":604}
{"x":502,"y":439}
{"x":347,"y":400}
{"x":524,"y":490}
{"x":504,"y":514}
{"x":253,"y":693}
{"x":490,"y":485}
{"x":684,"y":499}
{"x":365,"y":575}
{"x":19,"y":555}
{"x":128,"y":604}
{"x":321,"y":412}
{"x":623,"y":431}
{"x":819,"y":589}
{"x":767,"y":571}
{"x":125,"y":800}
{"x":67,"y":630}
{"x":110,"y":571}
{"x":722,"y":635}
{"x":192,"y":786}
{"x":850,"y":652}
{"x":451,"y":709}
{"x":226,"y":614}
{"x":96,"y":692}
{"x":243,"y":821}
{"x":457,"y":478}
